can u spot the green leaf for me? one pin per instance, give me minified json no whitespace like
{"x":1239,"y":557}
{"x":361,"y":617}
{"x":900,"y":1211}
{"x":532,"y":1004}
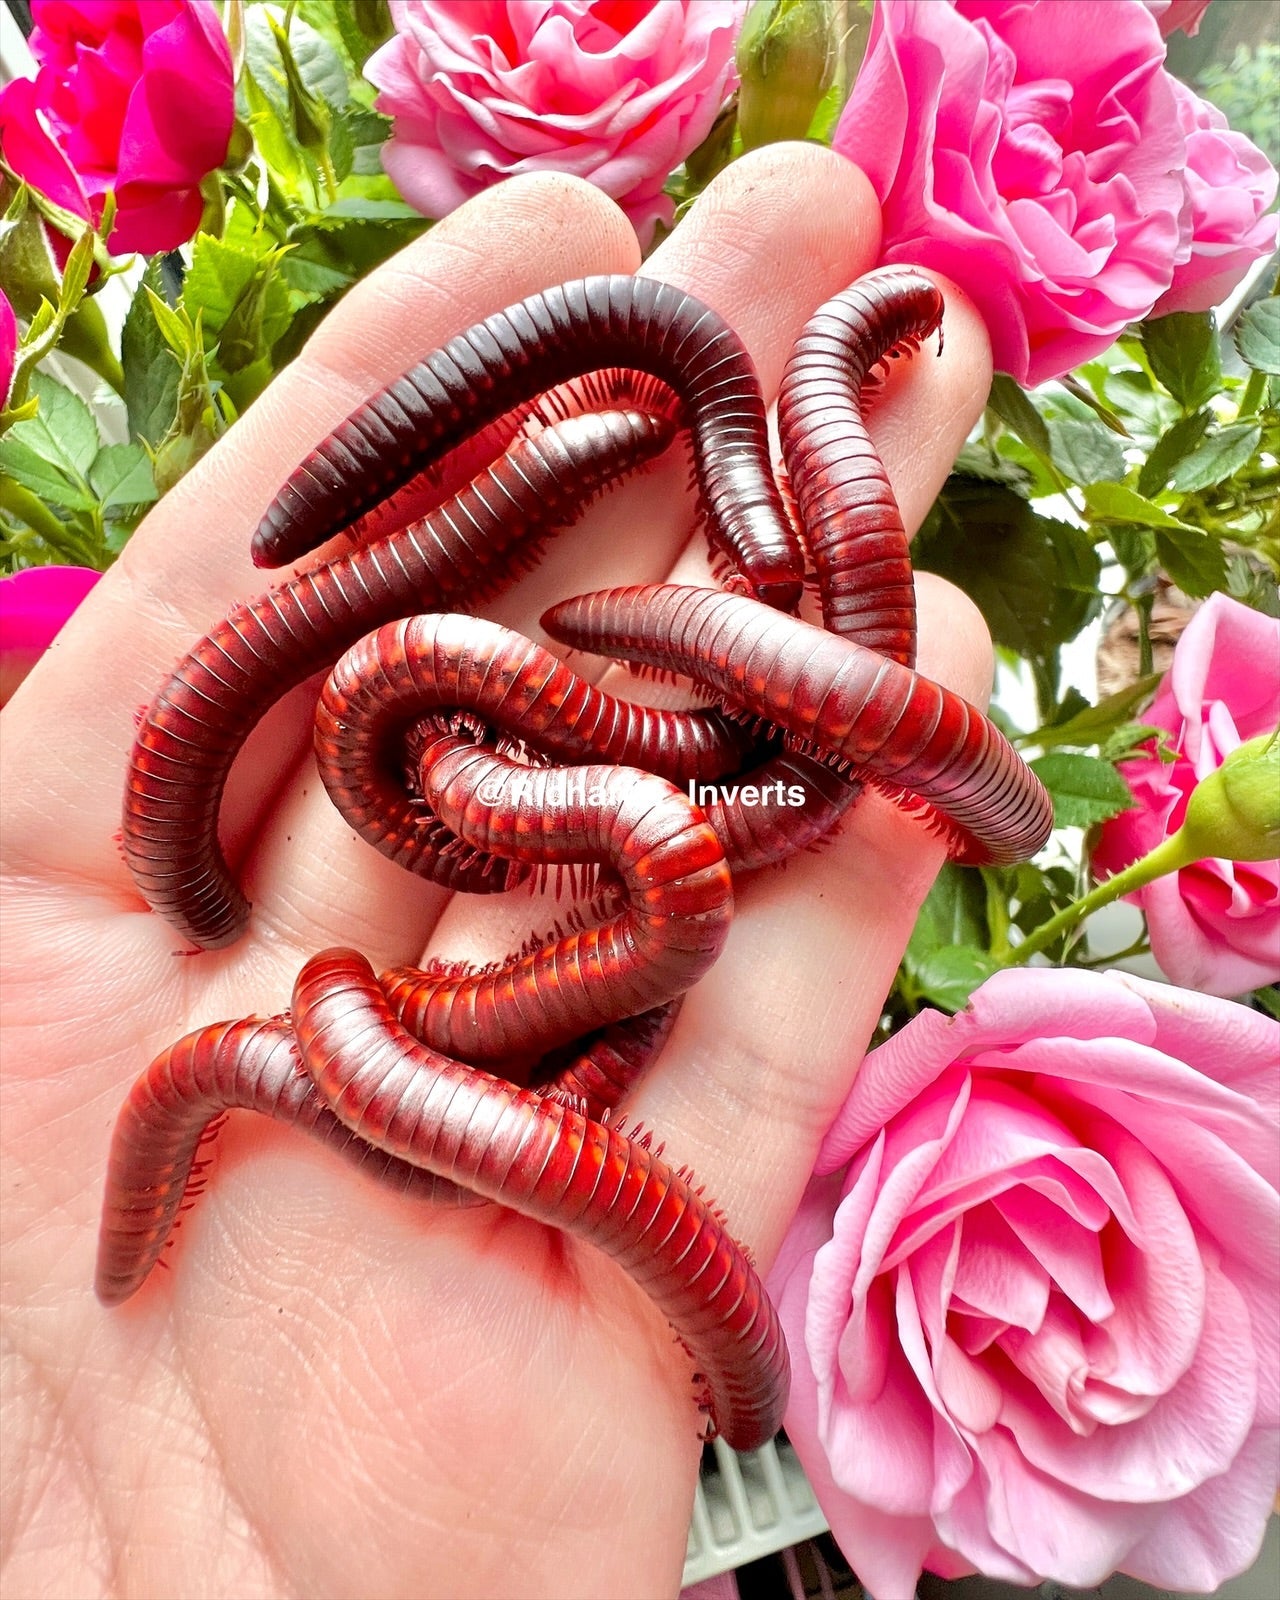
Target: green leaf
{"x":1183,"y":352}
{"x":1084,"y":790}
{"x":1172,"y":446}
{"x":977,"y":461}
{"x":1120,"y":745}
{"x":1010,"y":561}
{"x":218,"y":275}
{"x":244,"y":303}
{"x":1252,"y":585}
{"x":1115,"y":502}
{"x":1079,"y":570}
{"x":33,"y":471}
{"x":1195,"y":562}
{"x":272,"y":134}
{"x":312,"y":280}
{"x":1087,"y":396}
{"x":1013,"y":406}
{"x":1257,"y":336}
{"x":356,"y":208}
{"x":948,"y":977}
{"x":1086,"y":451}
{"x":75,"y":275}
{"x":176,"y":330}
{"x":1268,"y":999}
{"x":1095,"y":723}
{"x":954,"y":912}
{"x":63,"y":431}
{"x":1220,"y":457}
{"x":1135,"y":550}
{"x":150,"y":372}
{"x":121,"y":476}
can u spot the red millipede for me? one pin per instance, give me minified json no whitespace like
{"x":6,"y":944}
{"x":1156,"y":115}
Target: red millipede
{"x":547,"y":338}
{"x":892,"y":726}
{"x":852,"y":529}
{"x":255,"y":1065}
{"x":448,"y":664}
{"x":848,"y":512}
{"x":198,"y":722}
{"x":369,"y":1065}
{"x":678,"y":895}
{"x":551,"y":1163}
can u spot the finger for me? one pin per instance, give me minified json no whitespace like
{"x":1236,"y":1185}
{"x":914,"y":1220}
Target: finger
{"x":768,"y":1042}
{"x":189,"y":560}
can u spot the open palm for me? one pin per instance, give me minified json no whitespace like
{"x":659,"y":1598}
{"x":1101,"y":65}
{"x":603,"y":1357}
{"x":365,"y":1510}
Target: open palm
{"x":336,"y":1391}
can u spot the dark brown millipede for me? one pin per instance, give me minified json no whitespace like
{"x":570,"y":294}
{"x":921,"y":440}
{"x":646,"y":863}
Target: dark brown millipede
{"x":544,"y":340}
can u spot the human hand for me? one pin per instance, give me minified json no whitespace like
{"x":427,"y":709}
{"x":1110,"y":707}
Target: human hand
{"x":335,"y":1391}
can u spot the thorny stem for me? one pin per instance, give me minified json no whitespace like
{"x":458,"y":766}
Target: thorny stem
{"x":1171,"y":856}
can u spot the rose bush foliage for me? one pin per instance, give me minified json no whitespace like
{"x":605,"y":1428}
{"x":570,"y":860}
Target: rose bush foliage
{"x":618,"y":94}
{"x":137,"y":98}
{"x":1032,"y":1293}
{"x":1037,"y":159}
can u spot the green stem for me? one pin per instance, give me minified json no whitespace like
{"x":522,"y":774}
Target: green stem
{"x":31,"y":509}
{"x":1251,"y":399}
{"x":1170,"y":856}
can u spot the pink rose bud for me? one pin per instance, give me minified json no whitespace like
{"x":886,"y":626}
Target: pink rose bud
{"x":786,"y":63}
{"x":1235,"y":811}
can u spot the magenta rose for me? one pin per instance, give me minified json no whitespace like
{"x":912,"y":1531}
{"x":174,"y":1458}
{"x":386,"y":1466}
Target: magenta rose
{"x":34,"y":604}
{"x":1032,"y":1293}
{"x":1033,"y":152}
{"x":1230,"y":184}
{"x":131,"y":96}
{"x":8,"y":347}
{"x":1214,"y":925}
{"x":619,"y":94}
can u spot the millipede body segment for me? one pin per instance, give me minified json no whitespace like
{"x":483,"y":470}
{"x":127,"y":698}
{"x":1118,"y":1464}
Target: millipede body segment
{"x":478,"y":758}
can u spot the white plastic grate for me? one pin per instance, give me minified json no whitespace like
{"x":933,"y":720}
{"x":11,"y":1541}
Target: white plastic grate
{"x":748,"y":1507}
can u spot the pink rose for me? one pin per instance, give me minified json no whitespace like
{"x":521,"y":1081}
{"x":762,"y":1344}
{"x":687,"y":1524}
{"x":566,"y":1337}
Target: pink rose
{"x":1215,"y":925}
{"x":1032,"y":1294}
{"x":619,"y":94}
{"x":133,"y":96}
{"x":1230,"y":184}
{"x":1033,"y":152}
{"x":8,"y":347}
{"x":34,"y":604}
{"x":1175,"y":14}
